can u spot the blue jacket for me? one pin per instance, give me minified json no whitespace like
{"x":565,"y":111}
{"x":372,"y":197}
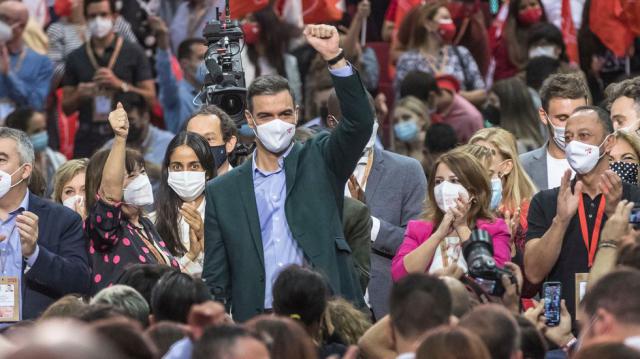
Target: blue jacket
{"x":62,"y":266}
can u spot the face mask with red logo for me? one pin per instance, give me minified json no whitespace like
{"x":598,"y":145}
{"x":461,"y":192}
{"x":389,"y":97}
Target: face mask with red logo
{"x":447,"y":30}
{"x":530,"y":16}
{"x":251,"y":32}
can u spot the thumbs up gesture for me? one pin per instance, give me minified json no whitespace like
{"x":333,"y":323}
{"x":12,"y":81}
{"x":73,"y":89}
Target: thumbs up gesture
{"x":119,"y":121}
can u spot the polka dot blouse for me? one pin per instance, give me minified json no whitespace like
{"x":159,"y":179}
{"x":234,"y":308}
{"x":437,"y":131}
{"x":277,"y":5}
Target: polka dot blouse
{"x":115,"y":243}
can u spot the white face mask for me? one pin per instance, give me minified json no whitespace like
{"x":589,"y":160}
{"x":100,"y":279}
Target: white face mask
{"x":583,"y":157}
{"x":71,"y":201}
{"x":446,"y":194}
{"x":558,"y":133}
{"x":275,"y":135}
{"x":5,"y":181}
{"x":6,"y":32}
{"x":100,"y":26}
{"x":139,"y":191}
{"x":188,"y":185}
{"x":372,"y":139}
{"x":631,"y":129}
{"x":548,"y":51}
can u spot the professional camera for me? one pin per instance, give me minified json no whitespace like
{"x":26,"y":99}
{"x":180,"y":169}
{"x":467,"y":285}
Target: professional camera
{"x":224,"y":85}
{"x":478,"y":253}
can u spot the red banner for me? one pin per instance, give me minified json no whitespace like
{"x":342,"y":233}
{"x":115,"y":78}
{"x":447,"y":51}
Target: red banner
{"x":608,"y":22}
{"x":322,"y":11}
{"x":240,"y":8}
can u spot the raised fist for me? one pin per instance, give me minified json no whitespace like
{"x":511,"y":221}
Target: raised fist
{"x":324,"y":39}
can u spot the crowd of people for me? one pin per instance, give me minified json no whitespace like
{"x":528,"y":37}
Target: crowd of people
{"x":434,"y":179}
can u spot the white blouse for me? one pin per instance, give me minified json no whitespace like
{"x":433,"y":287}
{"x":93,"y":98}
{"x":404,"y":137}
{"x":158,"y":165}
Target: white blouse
{"x":453,"y":246}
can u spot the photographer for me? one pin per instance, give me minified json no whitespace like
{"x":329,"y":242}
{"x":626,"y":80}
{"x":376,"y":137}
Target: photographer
{"x":290,"y":194}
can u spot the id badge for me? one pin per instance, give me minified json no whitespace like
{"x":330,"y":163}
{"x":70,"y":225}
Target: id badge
{"x":582,"y":279}
{"x":9,"y":299}
{"x":102,"y":108}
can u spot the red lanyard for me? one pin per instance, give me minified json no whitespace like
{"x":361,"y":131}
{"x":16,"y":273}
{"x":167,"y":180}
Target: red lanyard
{"x":591,"y":247}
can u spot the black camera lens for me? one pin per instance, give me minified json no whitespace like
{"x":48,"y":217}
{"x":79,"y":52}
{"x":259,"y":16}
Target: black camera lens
{"x":232,"y":104}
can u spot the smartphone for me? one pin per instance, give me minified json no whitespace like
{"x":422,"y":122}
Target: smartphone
{"x":552,"y":292}
{"x":634,"y":217}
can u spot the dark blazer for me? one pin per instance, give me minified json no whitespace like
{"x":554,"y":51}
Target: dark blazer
{"x":395,"y":193}
{"x":316,"y":173}
{"x":356,"y":223}
{"x":62,"y":266}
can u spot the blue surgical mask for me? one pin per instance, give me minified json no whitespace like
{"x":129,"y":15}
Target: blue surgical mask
{"x":496,"y":193}
{"x":201,"y":72}
{"x":40,"y":141}
{"x":406,"y":131}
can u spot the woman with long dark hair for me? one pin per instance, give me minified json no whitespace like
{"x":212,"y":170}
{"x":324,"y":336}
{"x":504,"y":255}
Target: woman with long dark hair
{"x":188,"y":164}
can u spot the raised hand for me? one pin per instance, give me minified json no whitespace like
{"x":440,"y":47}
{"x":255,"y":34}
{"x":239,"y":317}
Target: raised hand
{"x":119,"y":121}
{"x":196,"y":230}
{"x":617,"y":226}
{"x":460,"y":212}
{"x":324,"y":39}
{"x":568,"y":200}
{"x":611,"y":187}
{"x":27,"y":223}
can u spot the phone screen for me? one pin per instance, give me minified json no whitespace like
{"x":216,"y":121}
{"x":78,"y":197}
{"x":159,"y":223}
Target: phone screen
{"x":634,"y":217}
{"x":552,"y":294}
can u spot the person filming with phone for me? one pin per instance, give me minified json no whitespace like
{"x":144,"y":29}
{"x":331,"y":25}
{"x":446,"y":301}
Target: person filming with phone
{"x":565,"y":222}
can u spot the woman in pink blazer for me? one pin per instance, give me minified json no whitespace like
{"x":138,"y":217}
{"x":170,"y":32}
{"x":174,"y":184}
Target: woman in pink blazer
{"x":459,"y":198}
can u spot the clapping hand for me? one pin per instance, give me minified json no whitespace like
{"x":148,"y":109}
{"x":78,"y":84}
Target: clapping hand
{"x":324,"y":39}
{"x":190,"y":213}
{"x":106,"y":78}
{"x":611,"y":187}
{"x":460,"y":212}
{"x":27,"y":223}
{"x":119,"y":121}
{"x":511,"y":296}
{"x":617,"y":225}
{"x":568,"y":200}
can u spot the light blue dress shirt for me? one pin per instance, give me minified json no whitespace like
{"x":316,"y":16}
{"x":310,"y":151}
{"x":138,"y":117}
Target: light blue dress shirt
{"x":27,"y":83}
{"x":278,"y":246}
{"x":175,"y":96}
{"x":11,"y":250}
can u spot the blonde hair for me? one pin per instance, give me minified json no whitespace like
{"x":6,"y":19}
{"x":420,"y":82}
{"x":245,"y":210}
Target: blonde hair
{"x":345,"y":320}
{"x":415,"y":105}
{"x":481,"y":153}
{"x":518,"y":185}
{"x":632,"y":140}
{"x":65,"y":173}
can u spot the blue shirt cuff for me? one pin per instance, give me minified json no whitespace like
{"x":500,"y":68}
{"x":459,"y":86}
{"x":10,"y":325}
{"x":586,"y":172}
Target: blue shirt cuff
{"x":31,"y":260}
{"x":345,"y":71}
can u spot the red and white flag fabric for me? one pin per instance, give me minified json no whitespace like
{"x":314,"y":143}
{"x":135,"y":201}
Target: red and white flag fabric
{"x":609,"y":23}
{"x":322,"y":11}
{"x":569,"y":33}
{"x":240,"y":8}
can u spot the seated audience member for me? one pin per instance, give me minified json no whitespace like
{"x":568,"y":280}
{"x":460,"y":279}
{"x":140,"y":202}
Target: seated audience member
{"x":229,"y":342}
{"x":417,"y":304}
{"x":69,"y":306}
{"x":174,"y":294}
{"x":287,"y":338}
{"x":607,"y":351}
{"x":445,"y":105}
{"x":69,"y":184}
{"x":165,"y":334}
{"x":143,"y":136}
{"x":410,"y":118}
{"x":511,"y":107}
{"x":343,"y":320}
{"x":118,"y":231}
{"x":624,"y":158}
{"x":460,"y":299}
{"x":556,"y":248}
{"x":459,"y":196}
{"x":623,"y":101}
{"x":532,"y":343}
{"x":560,"y":95}
{"x":219,"y":130}
{"x":97,"y":312}
{"x":176,"y":96}
{"x":24,"y":74}
{"x":126,"y":300}
{"x":43,"y":237}
{"x":447,"y":342}
{"x":179,"y":216}
{"x":545,"y":39}
{"x":126,"y":336}
{"x":439,"y":139}
{"x":612,"y":309}
{"x":431,"y":49}
{"x":302,"y":294}
{"x":503,"y":340}
{"x":537,"y":71}
{"x":34,"y":124}
{"x":109,"y":68}
{"x":143,"y":277}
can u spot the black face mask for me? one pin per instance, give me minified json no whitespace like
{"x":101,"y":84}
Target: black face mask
{"x":219,"y":154}
{"x":491,"y":113}
{"x":135,"y":134}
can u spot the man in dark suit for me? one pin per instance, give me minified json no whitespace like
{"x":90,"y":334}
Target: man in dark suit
{"x":285,"y":205}
{"x":41,"y":243}
{"x":394,"y":188}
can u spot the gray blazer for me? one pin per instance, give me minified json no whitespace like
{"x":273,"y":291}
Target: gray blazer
{"x":395,"y":193}
{"x":535,"y":164}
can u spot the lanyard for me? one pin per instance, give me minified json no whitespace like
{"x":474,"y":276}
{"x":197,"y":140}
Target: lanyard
{"x":591,"y":247}
{"x":5,"y":252}
{"x":112,"y":60}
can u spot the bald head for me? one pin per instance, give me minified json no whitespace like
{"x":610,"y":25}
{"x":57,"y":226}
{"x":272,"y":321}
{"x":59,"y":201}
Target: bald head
{"x":16,"y":15}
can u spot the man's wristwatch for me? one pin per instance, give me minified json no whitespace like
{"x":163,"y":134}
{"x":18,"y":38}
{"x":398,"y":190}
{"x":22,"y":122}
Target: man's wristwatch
{"x":124,"y":87}
{"x":336,"y":59}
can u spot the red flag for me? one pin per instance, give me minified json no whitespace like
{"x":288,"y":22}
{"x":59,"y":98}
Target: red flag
{"x":607,"y":22}
{"x":569,"y":32}
{"x":631,"y":13}
{"x":404,"y":6}
{"x":321,"y":11}
{"x":240,"y":8}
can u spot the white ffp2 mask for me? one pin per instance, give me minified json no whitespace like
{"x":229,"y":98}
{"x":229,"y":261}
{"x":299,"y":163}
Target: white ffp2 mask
{"x":583,"y":157}
{"x":5,"y":181}
{"x":446,"y":194}
{"x":188,"y":185}
{"x":71,"y":201}
{"x":139,"y":191}
{"x":275,"y":135}
{"x":100,"y":26}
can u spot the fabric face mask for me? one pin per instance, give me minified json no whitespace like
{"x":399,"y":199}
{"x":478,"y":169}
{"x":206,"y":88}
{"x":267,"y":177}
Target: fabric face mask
{"x":496,"y":193}
{"x":40,"y":141}
{"x":275,"y":135}
{"x":100,"y":26}
{"x":406,"y":131}
{"x":188,"y":185}
{"x":71,"y":201}
{"x":583,"y":157}
{"x":530,"y":16}
{"x":547,"y":51}
{"x":219,"y":155}
{"x":6,"y":33}
{"x":446,"y":194}
{"x":447,"y":30}
{"x":139,"y":192}
{"x":558,"y":133}
{"x":627,"y":171}
{"x":201,"y":73}
{"x":5,"y":181}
